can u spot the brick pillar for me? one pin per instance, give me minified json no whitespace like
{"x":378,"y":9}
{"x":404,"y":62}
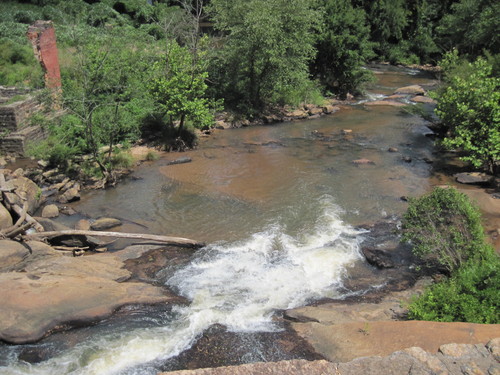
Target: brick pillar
{"x":43,"y":38}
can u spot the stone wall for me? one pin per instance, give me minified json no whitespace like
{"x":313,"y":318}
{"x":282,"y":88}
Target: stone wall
{"x":16,"y":143}
{"x":14,"y":116}
{"x":6,"y":93}
{"x":16,"y":131}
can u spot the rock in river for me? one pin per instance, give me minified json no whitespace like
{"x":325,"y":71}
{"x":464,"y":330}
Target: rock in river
{"x":51,"y":210}
{"x":105,"y":223}
{"x":48,"y":292}
{"x":411,"y":90}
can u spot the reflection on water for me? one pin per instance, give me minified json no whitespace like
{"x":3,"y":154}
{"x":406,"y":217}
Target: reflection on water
{"x":241,"y":180}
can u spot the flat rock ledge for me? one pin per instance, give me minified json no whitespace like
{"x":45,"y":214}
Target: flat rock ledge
{"x":452,"y":359}
{"x":43,"y":290}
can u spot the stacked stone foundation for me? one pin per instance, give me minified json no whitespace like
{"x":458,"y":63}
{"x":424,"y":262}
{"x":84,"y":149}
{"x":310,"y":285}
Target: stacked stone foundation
{"x":16,"y":131}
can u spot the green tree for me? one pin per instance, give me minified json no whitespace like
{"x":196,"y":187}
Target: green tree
{"x":343,"y":48}
{"x":99,"y":91}
{"x":469,"y":108}
{"x":388,"y":20}
{"x":421,"y":30}
{"x":268,"y":45}
{"x":471,"y":27}
{"x":179,"y":88}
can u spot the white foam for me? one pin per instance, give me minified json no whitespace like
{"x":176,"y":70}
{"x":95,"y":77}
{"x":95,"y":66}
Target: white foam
{"x":237,"y":285}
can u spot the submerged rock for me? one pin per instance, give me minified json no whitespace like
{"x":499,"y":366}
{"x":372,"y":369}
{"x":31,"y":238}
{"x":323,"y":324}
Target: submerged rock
{"x":363,"y":161}
{"x":105,"y":223}
{"x":182,"y":160}
{"x":378,"y":258}
{"x":411,"y":90}
{"x":473,"y":178}
{"x":82,"y":225}
{"x":423,"y":99}
{"x":390,"y":103}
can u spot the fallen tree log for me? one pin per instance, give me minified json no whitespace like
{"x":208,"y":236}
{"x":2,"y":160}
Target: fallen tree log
{"x":174,"y":241}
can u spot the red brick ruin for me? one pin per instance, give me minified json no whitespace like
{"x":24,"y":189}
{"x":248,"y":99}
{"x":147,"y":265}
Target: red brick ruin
{"x":43,"y":38}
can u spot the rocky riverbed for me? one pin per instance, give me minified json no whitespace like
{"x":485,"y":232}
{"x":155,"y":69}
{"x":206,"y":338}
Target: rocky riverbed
{"x":367,"y":321}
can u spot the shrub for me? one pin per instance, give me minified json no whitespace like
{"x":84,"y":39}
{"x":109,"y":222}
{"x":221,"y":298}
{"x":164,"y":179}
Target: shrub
{"x":152,"y":156}
{"x":122,"y":160}
{"x":472,"y":294}
{"x":57,"y":153}
{"x":444,"y":227}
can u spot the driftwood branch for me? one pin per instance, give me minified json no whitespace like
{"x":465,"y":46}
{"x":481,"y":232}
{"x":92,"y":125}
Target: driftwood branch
{"x":18,"y":230}
{"x":174,"y":241}
{"x":70,"y":248}
{"x":18,"y":210}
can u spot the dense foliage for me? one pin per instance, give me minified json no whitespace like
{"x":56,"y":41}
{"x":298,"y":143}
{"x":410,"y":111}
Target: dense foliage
{"x":266,"y":51}
{"x":256,"y":55}
{"x":469,"y":108}
{"x":343,"y":48}
{"x":445,"y":229}
{"x":472,"y":295}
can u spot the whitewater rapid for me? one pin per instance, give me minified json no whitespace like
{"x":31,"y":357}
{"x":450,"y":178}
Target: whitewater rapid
{"x":238,"y":285}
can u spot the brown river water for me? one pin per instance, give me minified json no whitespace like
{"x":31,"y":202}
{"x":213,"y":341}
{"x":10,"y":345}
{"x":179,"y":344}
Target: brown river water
{"x":242,"y":180}
{"x":278,"y":206}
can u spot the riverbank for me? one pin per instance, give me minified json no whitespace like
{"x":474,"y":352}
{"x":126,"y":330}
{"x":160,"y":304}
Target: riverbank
{"x":474,"y":358}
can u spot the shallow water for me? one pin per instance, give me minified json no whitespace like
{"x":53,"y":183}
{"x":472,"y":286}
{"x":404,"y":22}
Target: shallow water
{"x":277,"y":204}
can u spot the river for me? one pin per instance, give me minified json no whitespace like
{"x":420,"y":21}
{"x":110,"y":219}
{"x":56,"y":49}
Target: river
{"x":278,"y":206}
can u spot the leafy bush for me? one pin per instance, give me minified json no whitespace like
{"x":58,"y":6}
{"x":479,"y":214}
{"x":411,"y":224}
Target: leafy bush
{"x":56,"y":153}
{"x":152,"y":156}
{"x":122,"y":159}
{"x":471,"y":295}
{"x":469,"y":107}
{"x":18,"y":66}
{"x":444,"y":228}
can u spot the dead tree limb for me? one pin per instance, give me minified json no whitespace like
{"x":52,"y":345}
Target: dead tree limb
{"x":17,"y":209}
{"x":17,"y":231}
{"x":174,"y":241}
{"x":70,"y":248}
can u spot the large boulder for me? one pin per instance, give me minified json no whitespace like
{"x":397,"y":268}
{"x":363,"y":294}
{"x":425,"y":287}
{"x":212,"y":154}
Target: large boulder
{"x":5,"y":218}
{"x":451,"y":359}
{"x":25,"y":191}
{"x":411,"y":90}
{"x":11,"y":253}
{"x":53,"y":291}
